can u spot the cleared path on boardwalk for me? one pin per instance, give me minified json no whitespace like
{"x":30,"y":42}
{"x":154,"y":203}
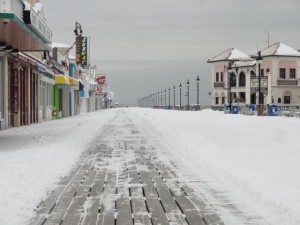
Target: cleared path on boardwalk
{"x":120,"y":179}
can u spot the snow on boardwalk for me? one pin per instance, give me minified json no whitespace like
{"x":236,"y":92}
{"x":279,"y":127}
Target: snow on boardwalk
{"x":121,"y":180}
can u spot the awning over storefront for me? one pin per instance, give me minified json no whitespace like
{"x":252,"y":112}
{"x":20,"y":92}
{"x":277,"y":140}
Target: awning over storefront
{"x":16,"y":35}
{"x":73,"y":81}
{"x":61,"y":80}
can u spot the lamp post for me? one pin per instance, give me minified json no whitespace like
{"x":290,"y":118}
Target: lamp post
{"x":169,"y":98}
{"x":174,"y":95}
{"x":161,"y":100}
{"x":188,"y":94}
{"x":150,"y":100}
{"x":157,"y":99}
{"x":165,"y":97}
{"x":260,"y":107}
{"x":180,"y":95}
{"x":229,"y":78}
{"x":197,"y":80}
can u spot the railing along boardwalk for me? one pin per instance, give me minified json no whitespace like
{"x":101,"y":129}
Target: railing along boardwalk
{"x":119,"y":180}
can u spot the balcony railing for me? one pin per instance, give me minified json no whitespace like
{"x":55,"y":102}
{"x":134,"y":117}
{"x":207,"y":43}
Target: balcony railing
{"x":12,"y":6}
{"x":287,"y":82}
{"x":218,"y":84}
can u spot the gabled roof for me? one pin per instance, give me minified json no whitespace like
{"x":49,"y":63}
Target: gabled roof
{"x":279,"y":49}
{"x":231,"y":54}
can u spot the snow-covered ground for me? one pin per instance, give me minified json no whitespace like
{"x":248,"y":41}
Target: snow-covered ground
{"x":254,"y":160}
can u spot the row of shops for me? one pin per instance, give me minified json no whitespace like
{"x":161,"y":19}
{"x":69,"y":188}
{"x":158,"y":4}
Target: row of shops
{"x":39,"y":81}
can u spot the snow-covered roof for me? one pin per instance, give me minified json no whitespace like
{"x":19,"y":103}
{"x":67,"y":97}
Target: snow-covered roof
{"x":59,"y":45}
{"x":245,"y":63}
{"x":231,"y":54}
{"x":279,"y":49}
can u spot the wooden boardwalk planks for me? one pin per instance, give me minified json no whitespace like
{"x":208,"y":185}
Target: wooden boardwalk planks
{"x":121,"y":181}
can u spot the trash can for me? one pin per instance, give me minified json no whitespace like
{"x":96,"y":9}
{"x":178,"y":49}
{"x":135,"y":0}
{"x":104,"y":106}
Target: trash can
{"x":235,"y":109}
{"x":226,"y":109}
{"x":251,"y":109}
{"x":272,"y":110}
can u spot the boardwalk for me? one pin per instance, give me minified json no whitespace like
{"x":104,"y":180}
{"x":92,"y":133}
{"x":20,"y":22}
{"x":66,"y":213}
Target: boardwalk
{"x":120,"y":180}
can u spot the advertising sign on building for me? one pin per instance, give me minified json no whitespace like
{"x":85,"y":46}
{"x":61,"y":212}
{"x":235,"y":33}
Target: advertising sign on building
{"x":16,"y":91}
{"x":84,"y":51}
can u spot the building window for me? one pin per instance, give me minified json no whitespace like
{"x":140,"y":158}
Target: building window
{"x":252,"y":73}
{"x":217,"y":100}
{"x":223,"y":100}
{"x":262,"y":72}
{"x":292,"y":73}
{"x":268,"y":70}
{"x":242,"y":80}
{"x":233,"y":80}
{"x":279,"y":100}
{"x":217,"y":77}
{"x":282,"y":73}
{"x":286,"y":99}
{"x":222,"y":77}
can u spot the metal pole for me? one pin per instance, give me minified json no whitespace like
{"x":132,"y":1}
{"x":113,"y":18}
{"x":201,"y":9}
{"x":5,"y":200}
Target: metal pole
{"x":180,"y":96}
{"x":230,"y":77}
{"x":169,"y":98}
{"x":174,"y":95}
{"x":165,"y":97}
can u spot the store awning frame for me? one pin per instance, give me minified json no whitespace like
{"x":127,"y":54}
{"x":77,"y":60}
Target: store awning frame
{"x":61,"y":80}
{"x":17,"y":34}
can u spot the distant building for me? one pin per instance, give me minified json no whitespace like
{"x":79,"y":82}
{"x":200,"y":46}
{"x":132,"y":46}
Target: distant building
{"x":279,"y":70}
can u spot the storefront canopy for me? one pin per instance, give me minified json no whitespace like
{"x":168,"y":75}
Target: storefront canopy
{"x":61,"y":80}
{"x":73,"y":81}
{"x":17,"y":36}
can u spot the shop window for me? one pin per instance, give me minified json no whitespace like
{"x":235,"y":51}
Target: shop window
{"x":292,"y":73}
{"x":287,"y":99}
{"x":282,"y":73}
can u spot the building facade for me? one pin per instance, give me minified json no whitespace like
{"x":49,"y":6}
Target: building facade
{"x":236,"y":76}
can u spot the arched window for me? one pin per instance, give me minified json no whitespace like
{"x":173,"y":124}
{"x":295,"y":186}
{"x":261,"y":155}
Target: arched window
{"x":279,"y":100}
{"x":232,"y":79}
{"x":252,"y":73}
{"x":242,"y":80}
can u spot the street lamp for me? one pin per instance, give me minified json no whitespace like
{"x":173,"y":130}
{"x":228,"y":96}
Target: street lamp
{"x":161,"y":100}
{"x":229,"y":78}
{"x":260,"y":107}
{"x":197,"y":80}
{"x":188,"y":94}
{"x":157,"y":99}
{"x":150,"y":101}
{"x":174,"y":95}
{"x":169,"y":99}
{"x":180,"y":95}
{"x":165,"y":97}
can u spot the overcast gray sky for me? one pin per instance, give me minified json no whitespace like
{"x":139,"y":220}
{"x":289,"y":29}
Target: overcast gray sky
{"x":147,"y":46}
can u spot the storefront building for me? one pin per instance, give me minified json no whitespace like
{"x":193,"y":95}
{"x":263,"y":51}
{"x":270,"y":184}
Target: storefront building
{"x":21,"y":73}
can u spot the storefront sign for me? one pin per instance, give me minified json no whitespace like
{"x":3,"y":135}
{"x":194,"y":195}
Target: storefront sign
{"x":78,"y":49}
{"x":26,"y":59}
{"x":84,"y":50}
{"x":16,"y":90}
